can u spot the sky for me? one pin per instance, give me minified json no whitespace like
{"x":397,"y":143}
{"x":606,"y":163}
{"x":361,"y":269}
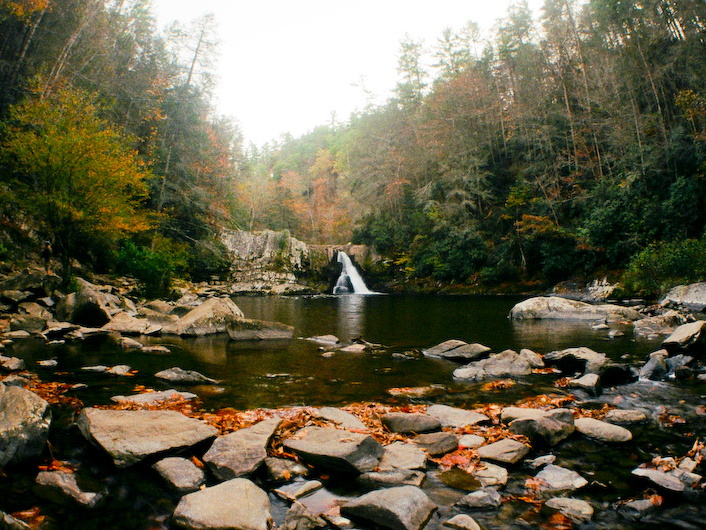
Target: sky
{"x":286,"y":66}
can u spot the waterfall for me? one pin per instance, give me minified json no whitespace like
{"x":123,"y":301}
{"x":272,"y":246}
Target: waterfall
{"x":349,"y":278}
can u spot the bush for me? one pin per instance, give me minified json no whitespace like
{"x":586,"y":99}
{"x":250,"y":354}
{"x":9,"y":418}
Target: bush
{"x":662,"y":265}
{"x":155,"y":267}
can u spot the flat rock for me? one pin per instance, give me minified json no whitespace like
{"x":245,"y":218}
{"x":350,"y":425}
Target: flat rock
{"x":241,"y":452}
{"x":282,"y":470}
{"x":602,"y":431}
{"x":556,"y":308}
{"x":12,"y":364}
{"x":335,"y":449}
{"x":237,"y":504}
{"x":403,"y":455}
{"x":212,"y":316}
{"x":64,"y":488}
{"x":298,"y":489}
{"x":461,"y":522}
{"x":457,"y":350}
{"x":436,"y":443}
{"x":504,"y":364}
{"x":408,"y":423}
{"x":247,"y":329}
{"x":128,"y":325}
{"x":574,"y":360}
{"x":400,"y":508}
{"x":179,"y":375}
{"x":509,"y":414}
{"x":691,"y":336}
{"x":490,"y":474}
{"x":455,"y":417}
{"x":661,"y":479}
{"x":626,"y":417}
{"x":155,"y":397}
{"x":181,"y":474}
{"x":506,"y":451}
{"x":130,"y":436}
{"x":390,"y":478}
{"x":340,"y":417}
{"x":555,"y":478}
{"x":470,"y":441}
{"x":326,"y":340}
{"x":24,"y":425}
{"x":483,"y":499}
{"x":589,"y":383}
{"x":575,"y":509}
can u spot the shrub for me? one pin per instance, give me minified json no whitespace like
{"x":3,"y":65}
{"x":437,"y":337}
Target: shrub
{"x":155,"y":267}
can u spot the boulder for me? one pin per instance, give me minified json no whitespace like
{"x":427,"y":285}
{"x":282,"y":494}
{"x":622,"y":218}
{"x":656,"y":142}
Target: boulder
{"x":181,"y":474}
{"x":490,"y":475}
{"x":400,"y":508}
{"x":89,"y":305}
{"x":68,"y":489}
{"x":35,"y":280}
{"x":457,"y":350}
{"x":655,"y":369}
{"x":247,"y":329}
{"x":506,"y":451}
{"x":24,"y":425}
{"x":437,"y":443}
{"x":470,"y":441}
{"x":124,"y":323}
{"x":602,"y":431}
{"x":544,"y":430}
{"x":483,"y":499}
{"x":335,"y":449}
{"x":189,"y":377}
{"x":636,"y":510}
{"x":589,"y":383}
{"x":391,"y":477}
{"x":298,"y":488}
{"x":11,"y":364}
{"x":403,"y":455}
{"x":555,"y":308}
{"x":8,"y":522}
{"x":343,"y":419}
{"x":504,"y":364}
{"x":241,"y":453}
{"x":212,"y":316}
{"x":691,"y":297}
{"x":661,"y":479}
{"x":408,"y":423}
{"x":689,"y":337}
{"x":532,"y":358}
{"x":573,"y":360}
{"x":454,"y":417}
{"x":664,"y":324}
{"x":129,"y":436}
{"x":237,"y":504}
{"x":625,"y":417}
{"x":575,"y":509}
{"x":555,"y":478}
{"x":31,"y":323}
{"x":462,"y":522}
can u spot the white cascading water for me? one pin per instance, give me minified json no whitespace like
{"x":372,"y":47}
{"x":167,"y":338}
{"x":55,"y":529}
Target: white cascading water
{"x":350,"y":273}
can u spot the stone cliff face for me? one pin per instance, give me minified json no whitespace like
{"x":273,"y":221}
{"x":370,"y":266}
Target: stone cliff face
{"x":275,"y":262}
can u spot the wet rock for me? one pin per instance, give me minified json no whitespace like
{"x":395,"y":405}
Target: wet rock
{"x":691,"y":297}
{"x":679,"y":366}
{"x":212,"y":316}
{"x":156,"y":349}
{"x":454,"y":417}
{"x":506,"y":451}
{"x":408,"y":423}
{"x":403,"y":455}
{"x":543,"y":430}
{"x":247,"y":329}
{"x":355,"y":348}
{"x":298,"y":489}
{"x":541,"y":461}
{"x":470,"y":441}
{"x":436,"y":443}
{"x":625,"y":417}
{"x":655,"y":369}
{"x":281,"y":470}
{"x":462,"y":522}
{"x":490,"y":475}
{"x":401,"y":508}
{"x":688,"y":337}
{"x":24,"y":425}
{"x":155,"y":397}
{"x":179,"y":375}
{"x":64,"y":488}
{"x":636,"y":510}
{"x":664,"y":324}
{"x":11,"y":364}
{"x":241,"y":452}
{"x":572,"y":360}
{"x":128,"y":325}
{"x":457,"y":350}
{"x":130,"y":436}
{"x":391,"y":478}
{"x":555,"y":478}
{"x":336,"y":449}
{"x":660,"y":479}
{"x":298,"y":517}
{"x":484,"y":499}
{"x":575,"y":509}
{"x":97,"y":369}
{"x":326,"y":340}
{"x":181,"y":474}
{"x":7,"y":522}
{"x":532,"y":358}
{"x":602,"y":431}
{"x":555,"y":308}
{"x":340,"y":417}
{"x":120,"y":370}
{"x":238,"y":503}
{"x":589,"y":383}
{"x":504,"y":364}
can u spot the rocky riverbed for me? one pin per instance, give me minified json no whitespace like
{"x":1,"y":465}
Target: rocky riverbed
{"x":612,"y":446}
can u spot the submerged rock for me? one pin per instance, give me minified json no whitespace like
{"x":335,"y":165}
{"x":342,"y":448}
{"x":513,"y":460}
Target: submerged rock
{"x":24,"y":425}
{"x":401,"y":508}
{"x":555,"y":308}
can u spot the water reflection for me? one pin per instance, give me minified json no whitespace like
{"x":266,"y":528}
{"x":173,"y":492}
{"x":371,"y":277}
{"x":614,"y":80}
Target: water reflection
{"x":351,"y":316}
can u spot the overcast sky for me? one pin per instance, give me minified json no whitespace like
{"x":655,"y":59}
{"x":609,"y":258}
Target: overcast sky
{"x":286,"y":65}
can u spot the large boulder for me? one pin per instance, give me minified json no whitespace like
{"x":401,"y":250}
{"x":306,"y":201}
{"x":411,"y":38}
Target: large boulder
{"x":504,"y":364}
{"x":574,"y":360}
{"x":24,"y":425}
{"x":237,"y":504}
{"x":31,"y":279}
{"x":90,"y":305}
{"x":691,"y":297}
{"x":248,"y":329}
{"x":212,"y":316}
{"x":689,"y":337}
{"x":130,"y":436}
{"x":126,"y":324}
{"x":401,"y":508}
{"x":663,"y":324}
{"x":555,"y":308}
{"x":602,"y":431}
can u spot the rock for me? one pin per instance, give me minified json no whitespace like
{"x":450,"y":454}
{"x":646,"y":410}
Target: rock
{"x":247,"y":329}
{"x":490,"y":475}
{"x":17,"y":334}
{"x":484,"y":499}
{"x":236,"y":504}
{"x":555,"y":308}
{"x":7,"y":522}
{"x":456,"y":418}
{"x":298,"y":489}
{"x":355,"y":348}
{"x":178,"y":375}
{"x":128,"y":325}
{"x":625,"y":417}
{"x":678,"y":366}
{"x":689,"y":479}
{"x":15,"y":296}
{"x":298,"y":517}
{"x":602,"y":431}
{"x":160,"y":306}
{"x":589,"y":383}
{"x":390,"y":478}
{"x":130,"y":436}
{"x":120,"y":370}
{"x":504,"y":364}
{"x":403,"y":455}
{"x":89,"y":305}
{"x":461,"y":522}
{"x":655,"y":369}
{"x":470,"y":441}
{"x":544,"y":430}
{"x":156,"y":349}
{"x":155,"y":397}
{"x":437,"y":443}
{"x":613,"y":374}
{"x":661,"y":479}
{"x":241,"y":452}
{"x":58,"y":330}
{"x":408,"y":423}
{"x":457,"y":350}
{"x":30,"y":323}
{"x":340,"y":417}
{"x":555,"y":478}
{"x":510,"y":414}
{"x":575,"y":509}
{"x":664,"y":324}
{"x":691,"y":297}
{"x":687,"y":338}
{"x":11,"y":364}
{"x":506,"y":451}
{"x":19,"y":380}
{"x":64,"y":488}
{"x":336,"y":449}
{"x":532,"y":358}
{"x":401,"y":508}
{"x":127,"y":343}
{"x":281,"y":470}
{"x":31,"y":279}
{"x":636,"y":510}
{"x":212,"y":316}
{"x":326,"y":340}
{"x":541,"y":461}
{"x":573,"y":360}
{"x":181,"y":474}
{"x":24,"y":425}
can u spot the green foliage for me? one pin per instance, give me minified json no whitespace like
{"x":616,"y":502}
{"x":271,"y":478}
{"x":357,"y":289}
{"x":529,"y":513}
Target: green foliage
{"x":665,"y":264}
{"x":155,"y":267}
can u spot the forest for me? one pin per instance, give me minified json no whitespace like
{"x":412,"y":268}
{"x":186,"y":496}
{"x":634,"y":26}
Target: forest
{"x":570,"y":144}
